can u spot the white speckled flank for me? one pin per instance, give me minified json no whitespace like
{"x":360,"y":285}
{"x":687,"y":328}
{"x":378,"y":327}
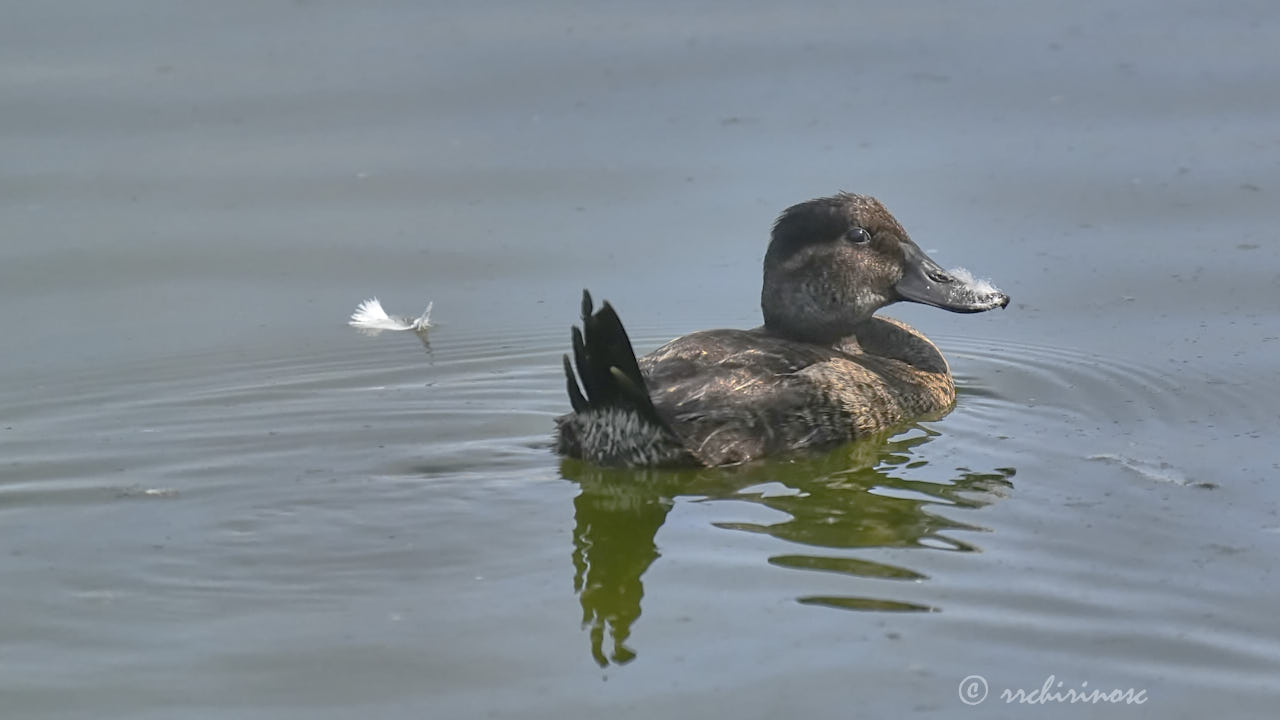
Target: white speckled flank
{"x":615,"y":436}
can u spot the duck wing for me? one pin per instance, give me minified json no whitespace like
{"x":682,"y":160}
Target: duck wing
{"x":736,"y":395}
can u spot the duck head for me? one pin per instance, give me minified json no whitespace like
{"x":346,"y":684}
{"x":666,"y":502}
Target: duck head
{"x":833,"y":262}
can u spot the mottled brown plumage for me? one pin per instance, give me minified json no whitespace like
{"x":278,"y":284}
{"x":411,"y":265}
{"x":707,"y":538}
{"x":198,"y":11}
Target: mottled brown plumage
{"x":822,"y":370}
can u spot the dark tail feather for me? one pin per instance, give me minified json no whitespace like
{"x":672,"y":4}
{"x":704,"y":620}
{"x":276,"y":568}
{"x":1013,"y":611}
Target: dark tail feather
{"x":590,"y":385}
{"x":575,"y":395}
{"x":606,"y":365}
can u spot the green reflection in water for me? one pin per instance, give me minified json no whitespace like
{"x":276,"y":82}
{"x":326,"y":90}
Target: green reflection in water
{"x":859,"y":496}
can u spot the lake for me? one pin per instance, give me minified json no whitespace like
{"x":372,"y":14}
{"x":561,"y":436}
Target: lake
{"x":219,"y":500}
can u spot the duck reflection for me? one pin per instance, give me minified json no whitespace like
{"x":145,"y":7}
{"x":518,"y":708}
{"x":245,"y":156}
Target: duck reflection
{"x":859,"y":496}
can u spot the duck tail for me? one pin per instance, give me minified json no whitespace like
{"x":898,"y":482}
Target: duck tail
{"x":614,"y":421}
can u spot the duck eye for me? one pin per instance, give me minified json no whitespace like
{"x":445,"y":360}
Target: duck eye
{"x":859,"y":236}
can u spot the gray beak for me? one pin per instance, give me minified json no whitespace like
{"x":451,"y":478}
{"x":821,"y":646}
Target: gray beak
{"x":924,"y":281}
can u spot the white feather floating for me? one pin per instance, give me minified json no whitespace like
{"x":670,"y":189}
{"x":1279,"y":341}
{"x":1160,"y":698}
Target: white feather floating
{"x":371,"y":318}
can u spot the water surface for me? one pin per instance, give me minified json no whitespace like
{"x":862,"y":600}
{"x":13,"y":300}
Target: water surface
{"x":220,"y":501}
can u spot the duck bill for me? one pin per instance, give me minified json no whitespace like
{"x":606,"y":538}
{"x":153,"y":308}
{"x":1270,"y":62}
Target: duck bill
{"x":924,"y":281}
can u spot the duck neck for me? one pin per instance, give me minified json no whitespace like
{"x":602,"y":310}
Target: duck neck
{"x":807,"y":333}
{"x":801,"y":313}
{"x":810,"y":305}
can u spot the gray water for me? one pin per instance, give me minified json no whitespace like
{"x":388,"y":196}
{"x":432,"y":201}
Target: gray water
{"x":218,"y":500}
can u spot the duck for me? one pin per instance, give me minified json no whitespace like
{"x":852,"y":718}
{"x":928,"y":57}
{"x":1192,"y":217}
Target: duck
{"x":823,"y":370}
